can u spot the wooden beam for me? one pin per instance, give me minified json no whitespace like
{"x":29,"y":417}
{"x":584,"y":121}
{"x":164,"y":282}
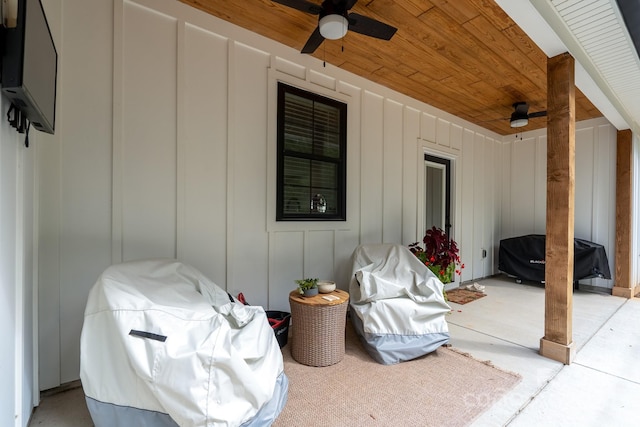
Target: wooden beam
{"x":557,"y":342}
{"x":624,"y":177}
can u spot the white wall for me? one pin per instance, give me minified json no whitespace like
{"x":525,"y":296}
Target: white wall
{"x":168,"y":149}
{"x":75,"y":180}
{"x":20,"y":237}
{"x":524,"y":186}
{"x":18,"y":273}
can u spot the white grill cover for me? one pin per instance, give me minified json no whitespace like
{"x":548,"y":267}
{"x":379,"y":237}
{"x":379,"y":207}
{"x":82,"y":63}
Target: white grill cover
{"x":219,"y":363}
{"x":397,"y":305}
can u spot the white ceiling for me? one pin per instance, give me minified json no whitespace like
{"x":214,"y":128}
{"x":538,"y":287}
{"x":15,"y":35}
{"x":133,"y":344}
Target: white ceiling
{"x":594,"y":33}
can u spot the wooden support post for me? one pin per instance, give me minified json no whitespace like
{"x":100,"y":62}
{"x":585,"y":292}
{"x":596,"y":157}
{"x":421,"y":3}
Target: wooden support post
{"x":557,"y":342}
{"x":624,"y":176}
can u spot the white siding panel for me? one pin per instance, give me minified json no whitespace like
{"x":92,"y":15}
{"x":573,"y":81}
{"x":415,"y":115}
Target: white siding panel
{"x":149,"y":134}
{"x":522,"y":189}
{"x":247,"y":238}
{"x":604,"y":187}
{"x":498,"y":185}
{"x":286,"y":266}
{"x":428,"y":127}
{"x":346,"y":242}
{"x":49,"y":260}
{"x":11,"y":313}
{"x":506,"y":224}
{"x":584,"y":170}
{"x":320,"y":249}
{"x":85,"y":94}
{"x":479,"y":205}
{"x":540,"y":186}
{"x":392,"y":184}
{"x":443,"y":133}
{"x":322,"y":80}
{"x":604,"y":196}
{"x":466,"y":242}
{"x":290,"y":68}
{"x":411,"y":126}
{"x":371,"y":168}
{"x":456,"y":137}
{"x":489,"y":208}
{"x":202,"y":181}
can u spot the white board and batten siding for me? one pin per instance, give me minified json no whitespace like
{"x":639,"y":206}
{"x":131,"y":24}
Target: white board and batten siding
{"x":186,"y":166}
{"x":208,"y":141}
{"x":524,"y":193}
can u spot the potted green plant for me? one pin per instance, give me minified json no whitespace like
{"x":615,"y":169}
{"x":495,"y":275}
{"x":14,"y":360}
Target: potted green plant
{"x":440,"y":254}
{"x":307,"y":287}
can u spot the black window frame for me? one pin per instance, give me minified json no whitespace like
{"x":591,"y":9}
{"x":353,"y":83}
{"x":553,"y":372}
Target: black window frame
{"x":340,"y":163}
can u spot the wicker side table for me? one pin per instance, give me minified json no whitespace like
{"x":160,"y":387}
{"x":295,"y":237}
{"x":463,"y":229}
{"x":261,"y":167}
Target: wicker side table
{"x":317,"y":330}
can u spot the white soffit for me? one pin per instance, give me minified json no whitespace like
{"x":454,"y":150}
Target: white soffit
{"x":593,"y":31}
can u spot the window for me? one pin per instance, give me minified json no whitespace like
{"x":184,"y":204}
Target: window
{"x":312,"y":133}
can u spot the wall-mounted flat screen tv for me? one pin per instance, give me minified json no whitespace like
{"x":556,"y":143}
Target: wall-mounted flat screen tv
{"x":30,"y":66}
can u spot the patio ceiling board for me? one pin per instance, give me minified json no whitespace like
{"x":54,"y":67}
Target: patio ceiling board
{"x":415,"y":7}
{"x":465,"y":57}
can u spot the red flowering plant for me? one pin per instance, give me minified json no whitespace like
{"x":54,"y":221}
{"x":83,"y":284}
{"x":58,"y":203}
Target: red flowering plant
{"x":440,"y":254}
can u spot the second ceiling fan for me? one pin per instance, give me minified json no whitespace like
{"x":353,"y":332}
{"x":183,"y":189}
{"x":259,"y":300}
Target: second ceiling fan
{"x":520,"y":116}
{"x":334,"y":20}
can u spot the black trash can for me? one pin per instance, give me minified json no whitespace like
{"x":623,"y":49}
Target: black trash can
{"x":279,"y":321}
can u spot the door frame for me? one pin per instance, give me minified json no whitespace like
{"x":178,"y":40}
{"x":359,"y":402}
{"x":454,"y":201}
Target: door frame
{"x":429,"y":148}
{"x":445,"y":164}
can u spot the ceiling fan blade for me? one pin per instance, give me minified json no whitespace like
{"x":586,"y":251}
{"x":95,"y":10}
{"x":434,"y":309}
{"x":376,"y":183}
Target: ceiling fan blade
{"x":351,"y":3}
{"x":537,"y":114}
{"x":313,"y":42}
{"x":302,"y":5}
{"x":370,"y":27}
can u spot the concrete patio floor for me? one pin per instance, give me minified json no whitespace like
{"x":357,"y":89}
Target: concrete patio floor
{"x":601,"y":386}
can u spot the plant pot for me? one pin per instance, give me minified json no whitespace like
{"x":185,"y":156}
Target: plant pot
{"x":310,"y":292}
{"x":446,"y":275}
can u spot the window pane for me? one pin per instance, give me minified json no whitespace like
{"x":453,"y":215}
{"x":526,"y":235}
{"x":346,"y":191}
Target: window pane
{"x":296,"y":200}
{"x":326,"y":131}
{"x":297,"y":171}
{"x":324,"y":175}
{"x":297,"y":182}
{"x":311,"y":156}
{"x":298,"y":124}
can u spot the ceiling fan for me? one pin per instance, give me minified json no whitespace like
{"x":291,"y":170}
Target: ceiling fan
{"x":520,"y":116}
{"x":334,"y":21}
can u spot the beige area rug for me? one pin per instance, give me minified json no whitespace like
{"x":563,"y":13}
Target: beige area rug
{"x":444,"y":388}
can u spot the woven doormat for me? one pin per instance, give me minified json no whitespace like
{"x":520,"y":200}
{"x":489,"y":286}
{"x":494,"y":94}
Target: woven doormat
{"x":463,"y":296}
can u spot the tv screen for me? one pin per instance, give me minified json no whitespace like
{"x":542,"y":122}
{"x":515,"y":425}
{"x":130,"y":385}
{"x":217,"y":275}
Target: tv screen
{"x":30,"y":66}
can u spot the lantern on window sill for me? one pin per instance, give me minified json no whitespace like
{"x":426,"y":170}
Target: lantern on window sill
{"x":318,"y":203}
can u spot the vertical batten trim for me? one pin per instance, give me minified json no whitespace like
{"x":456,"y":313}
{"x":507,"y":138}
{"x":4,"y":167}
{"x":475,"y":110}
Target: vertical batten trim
{"x":421,"y":148}
{"x":181,"y":143}
{"x":19,"y":265}
{"x":118,"y":122}
{"x":35,"y":261}
{"x":595,"y":178}
{"x":231,"y":114}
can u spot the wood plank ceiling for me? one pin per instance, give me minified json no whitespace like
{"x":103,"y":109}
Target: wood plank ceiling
{"x":466,"y":57}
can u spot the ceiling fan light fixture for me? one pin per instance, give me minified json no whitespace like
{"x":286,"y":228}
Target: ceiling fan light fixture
{"x":333,"y":26}
{"x":518,"y":123}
